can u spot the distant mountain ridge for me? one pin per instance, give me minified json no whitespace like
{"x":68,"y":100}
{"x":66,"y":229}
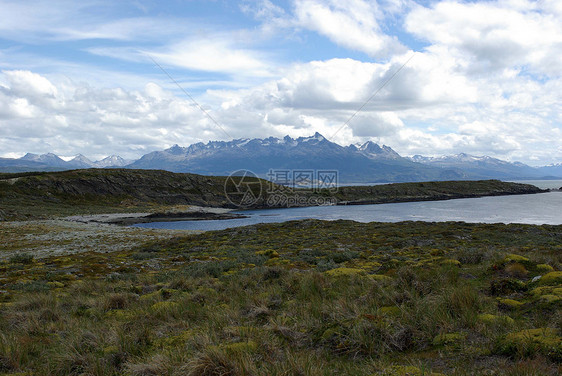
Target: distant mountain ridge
{"x":52,"y":162}
{"x":366,"y":163}
{"x":484,"y":167}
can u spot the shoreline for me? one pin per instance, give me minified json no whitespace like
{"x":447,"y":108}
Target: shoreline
{"x":126,"y":219}
{"x":197,"y":213}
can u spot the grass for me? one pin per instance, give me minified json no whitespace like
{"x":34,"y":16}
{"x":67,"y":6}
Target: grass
{"x":297,"y":298}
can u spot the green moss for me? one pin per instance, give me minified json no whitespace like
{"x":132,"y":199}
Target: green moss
{"x":436,"y":252}
{"x":55,"y":285}
{"x":175,"y":340}
{"x":533,"y":341}
{"x":509,"y":304}
{"x":276,"y":261}
{"x":451,"y":262}
{"x":515,"y":258}
{"x":389,"y":311}
{"x":449,"y":339}
{"x":269,"y":253}
{"x":544,"y":268}
{"x":339,"y":272}
{"x":542,"y":290}
{"x":380,"y":277}
{"x":370,"y":265}
{"x":164,"y":306}
{"x":120,"y":314}
{"x":150,"y":296}
{"x":552,"y":278}
{"x":490,"y":319}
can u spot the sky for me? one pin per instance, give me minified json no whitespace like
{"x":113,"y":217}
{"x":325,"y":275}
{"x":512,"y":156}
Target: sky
{"x":423,"y":77}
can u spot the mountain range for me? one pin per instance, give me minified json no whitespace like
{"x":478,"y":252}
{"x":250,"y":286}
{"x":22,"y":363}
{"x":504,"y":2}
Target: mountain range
{"x":366,"y":163}
{"x":52,"y":162}
{"x":490,"y":168}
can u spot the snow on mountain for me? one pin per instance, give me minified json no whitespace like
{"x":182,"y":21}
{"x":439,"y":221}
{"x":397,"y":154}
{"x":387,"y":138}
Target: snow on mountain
{"x":49,"y":159}
{"x":81,"y":161}
{"x":369,"y":162}
{"x":420,"y":159}
{"x":374,"y":151}
{"x":111,"y":161}
{"x":484,"y":167}
{"x":553,"y":169}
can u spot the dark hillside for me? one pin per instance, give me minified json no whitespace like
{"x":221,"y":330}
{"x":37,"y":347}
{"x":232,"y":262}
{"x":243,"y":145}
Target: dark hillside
{"x":33,"y":195}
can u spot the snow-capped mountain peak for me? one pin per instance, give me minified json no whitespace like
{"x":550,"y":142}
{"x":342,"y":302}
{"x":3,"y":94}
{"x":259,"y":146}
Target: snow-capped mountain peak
{"x":369,"y":161}
{"x":373,"y":150}
{"x":111,"y":161}
{"x":82,"y":158}
{"x":482,"y":166}
{"x":176,"y":150}
{"x":316,"y":138}
{"x":48,"y":159}
{"x":81,"y":161}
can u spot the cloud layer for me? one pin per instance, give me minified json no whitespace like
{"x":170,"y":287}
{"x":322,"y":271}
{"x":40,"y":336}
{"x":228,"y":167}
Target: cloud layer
{"x":483,"y":78}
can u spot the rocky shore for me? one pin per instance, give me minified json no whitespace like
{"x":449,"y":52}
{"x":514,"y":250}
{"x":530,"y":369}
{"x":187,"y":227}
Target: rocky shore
{"x":126,"y":219}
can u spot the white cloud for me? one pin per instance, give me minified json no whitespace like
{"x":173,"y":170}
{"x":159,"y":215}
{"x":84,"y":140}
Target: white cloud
{"x":376,"y":125}
{"x":487,"y":81}
{"x":67,"y":20}
{"x":286,"y":118}
{"x":29,"y":84}
{"x":352,"y":24}
{"x":492,"y":36}
{"x":92,"y":121}
{"x":214,"y":54}
{"x":334,"y":83}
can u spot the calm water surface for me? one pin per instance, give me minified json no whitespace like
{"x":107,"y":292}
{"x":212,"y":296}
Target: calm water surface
{"x":542,"y":184}
{"x":543,"y":208}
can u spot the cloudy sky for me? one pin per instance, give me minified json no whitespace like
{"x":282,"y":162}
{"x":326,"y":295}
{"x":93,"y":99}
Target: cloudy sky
{"x":482,"y":77}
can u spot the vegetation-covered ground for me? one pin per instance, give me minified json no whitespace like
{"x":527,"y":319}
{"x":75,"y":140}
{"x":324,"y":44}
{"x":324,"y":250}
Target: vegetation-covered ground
{"x":297,"y":298}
